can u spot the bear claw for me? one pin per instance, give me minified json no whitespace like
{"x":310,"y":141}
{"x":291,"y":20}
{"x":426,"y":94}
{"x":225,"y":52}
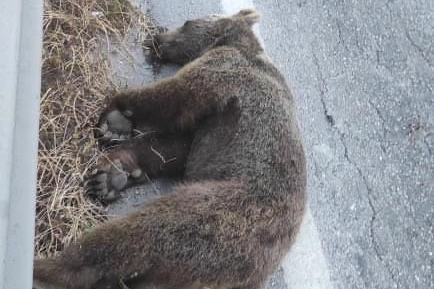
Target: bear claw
{"x":107,"y":182}
{"x":116,"y":125}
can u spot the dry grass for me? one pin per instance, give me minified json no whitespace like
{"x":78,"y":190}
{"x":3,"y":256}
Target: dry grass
{"x":76,"y":79}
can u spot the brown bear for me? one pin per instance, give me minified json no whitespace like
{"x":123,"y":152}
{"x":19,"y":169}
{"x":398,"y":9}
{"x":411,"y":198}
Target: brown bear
{"x":226,"y":123}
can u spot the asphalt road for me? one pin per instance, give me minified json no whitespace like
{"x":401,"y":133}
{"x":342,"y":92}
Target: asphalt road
{"x":362,"y":72}
{"x":363,"y":75}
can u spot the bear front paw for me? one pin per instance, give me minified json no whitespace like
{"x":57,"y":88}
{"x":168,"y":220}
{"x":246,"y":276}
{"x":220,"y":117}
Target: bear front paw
{"x":106,"y":182}
{"x":115,"y":126}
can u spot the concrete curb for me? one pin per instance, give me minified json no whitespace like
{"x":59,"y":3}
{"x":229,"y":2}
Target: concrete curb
{"x":20,"y":50}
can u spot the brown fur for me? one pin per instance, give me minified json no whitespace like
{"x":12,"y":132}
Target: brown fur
{"x":236,"y":216}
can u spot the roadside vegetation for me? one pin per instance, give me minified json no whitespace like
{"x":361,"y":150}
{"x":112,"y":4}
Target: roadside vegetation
{"x":76,"y":80}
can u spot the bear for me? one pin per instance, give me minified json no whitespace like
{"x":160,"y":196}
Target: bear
{"x":226,"y":123}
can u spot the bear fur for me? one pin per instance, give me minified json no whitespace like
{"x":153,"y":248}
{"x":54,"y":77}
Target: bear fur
{"x":226,"y":123}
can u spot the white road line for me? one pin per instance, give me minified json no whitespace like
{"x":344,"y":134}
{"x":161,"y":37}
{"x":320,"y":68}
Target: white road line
{"x":305,"y":266}
{"x":233,"y":6}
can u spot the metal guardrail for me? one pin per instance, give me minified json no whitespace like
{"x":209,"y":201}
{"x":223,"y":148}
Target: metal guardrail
{"x":20,"y":76}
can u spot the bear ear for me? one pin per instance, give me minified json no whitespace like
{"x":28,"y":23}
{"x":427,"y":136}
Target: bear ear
{"x":249,"y":15}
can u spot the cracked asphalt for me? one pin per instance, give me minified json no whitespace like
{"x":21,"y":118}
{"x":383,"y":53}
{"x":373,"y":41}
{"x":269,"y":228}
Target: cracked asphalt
{"x":362,"y":72}
{"x":363,"y":75}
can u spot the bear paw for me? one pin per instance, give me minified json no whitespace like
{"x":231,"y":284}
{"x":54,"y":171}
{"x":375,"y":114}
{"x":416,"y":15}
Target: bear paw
{"x":106,"y":182}
{"x":116,"y":126}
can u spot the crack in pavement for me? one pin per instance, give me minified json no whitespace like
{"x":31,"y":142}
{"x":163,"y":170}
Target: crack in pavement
{"x":388,"y":4}
{"x":383,"y":125}
{"x":427,"y":144}
{"x":323,"y":89}
{"x":371,"y":205}
{"x":417,"y":47}
{"x":407,"y":33}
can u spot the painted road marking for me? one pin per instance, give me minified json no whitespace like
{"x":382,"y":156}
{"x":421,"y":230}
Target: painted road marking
{"x":305,"y":265}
